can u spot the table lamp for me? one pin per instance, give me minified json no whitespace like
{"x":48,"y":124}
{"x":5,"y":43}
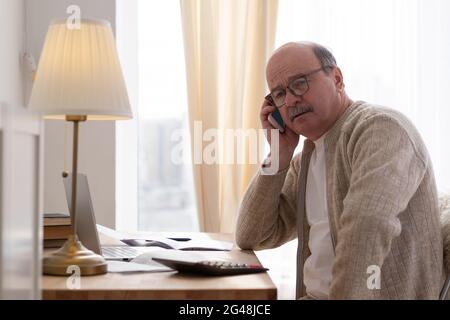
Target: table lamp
{"x":79,"y":78}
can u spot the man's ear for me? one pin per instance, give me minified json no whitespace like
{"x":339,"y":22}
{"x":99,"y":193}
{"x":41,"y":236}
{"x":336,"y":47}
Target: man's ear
{"x":338,"y":79}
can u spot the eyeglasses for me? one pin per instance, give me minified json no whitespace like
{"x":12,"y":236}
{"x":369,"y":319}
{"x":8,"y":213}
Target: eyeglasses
{"x":298,"y":86}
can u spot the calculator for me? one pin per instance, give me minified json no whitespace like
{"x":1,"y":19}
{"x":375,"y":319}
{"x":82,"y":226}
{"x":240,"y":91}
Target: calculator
{"x":211,"y":267}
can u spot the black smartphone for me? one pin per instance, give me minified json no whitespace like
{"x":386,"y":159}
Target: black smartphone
{"x":275,"y":118}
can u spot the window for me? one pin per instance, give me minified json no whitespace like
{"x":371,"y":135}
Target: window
{"x":166,"y":200}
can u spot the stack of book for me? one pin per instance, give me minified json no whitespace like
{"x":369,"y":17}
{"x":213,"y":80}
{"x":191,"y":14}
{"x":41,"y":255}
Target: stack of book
{"x":57,"y":229}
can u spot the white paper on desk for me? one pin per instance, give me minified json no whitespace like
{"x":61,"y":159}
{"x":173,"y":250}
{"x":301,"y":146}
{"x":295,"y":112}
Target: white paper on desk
{"x":199,"y":244}
{"x":203,"y":244}
{"x":189,"y":256}
{"x":110,"y":232}
{"x":125,"y":267}
{"x":191,"y":245}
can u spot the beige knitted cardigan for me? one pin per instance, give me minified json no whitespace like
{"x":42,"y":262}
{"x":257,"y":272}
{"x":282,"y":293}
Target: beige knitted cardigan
{"x":382,"y":204}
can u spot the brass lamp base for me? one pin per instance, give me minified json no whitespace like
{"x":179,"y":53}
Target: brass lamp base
{"x":73,"y":253}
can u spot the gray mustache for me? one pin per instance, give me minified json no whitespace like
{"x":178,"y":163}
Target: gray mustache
{"x":299,"y":110}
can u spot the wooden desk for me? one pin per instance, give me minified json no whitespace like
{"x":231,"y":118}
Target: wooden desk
{"x":168,"y":285}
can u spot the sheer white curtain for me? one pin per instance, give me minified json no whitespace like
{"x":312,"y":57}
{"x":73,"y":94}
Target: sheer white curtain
{"x":227,"y":44}
{"x":392,"y":52}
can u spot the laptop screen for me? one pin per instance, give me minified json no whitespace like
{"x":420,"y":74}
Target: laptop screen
{"x":86,"y":225}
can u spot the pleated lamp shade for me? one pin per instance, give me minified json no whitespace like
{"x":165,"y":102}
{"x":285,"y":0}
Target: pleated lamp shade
{"x":79,"y":73}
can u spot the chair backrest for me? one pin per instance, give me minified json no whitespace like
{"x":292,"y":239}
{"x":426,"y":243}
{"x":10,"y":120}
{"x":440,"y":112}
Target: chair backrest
{"x":444,"y":207}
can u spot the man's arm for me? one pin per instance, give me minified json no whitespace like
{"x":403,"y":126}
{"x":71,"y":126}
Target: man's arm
{"x":386,"y":172}
{"x":267,"y":215}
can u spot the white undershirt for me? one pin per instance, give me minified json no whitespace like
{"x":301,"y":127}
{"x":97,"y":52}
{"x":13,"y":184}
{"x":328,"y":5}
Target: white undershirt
{"x":317,"y":269}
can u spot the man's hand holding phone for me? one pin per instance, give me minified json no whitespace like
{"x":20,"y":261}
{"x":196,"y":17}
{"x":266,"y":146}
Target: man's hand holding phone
{"x":270,"y":117}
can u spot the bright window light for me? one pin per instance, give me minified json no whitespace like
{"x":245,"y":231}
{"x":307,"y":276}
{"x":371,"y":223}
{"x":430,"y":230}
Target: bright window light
{"x":166,"y":193}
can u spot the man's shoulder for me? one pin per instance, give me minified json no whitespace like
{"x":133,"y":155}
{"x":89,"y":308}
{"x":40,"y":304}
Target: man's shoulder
{"x":377,"y":120}
{"x":367,"y":113}
{"x":372,"y":116}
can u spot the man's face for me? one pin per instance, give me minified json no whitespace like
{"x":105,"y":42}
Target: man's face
{"x":314,"y":112}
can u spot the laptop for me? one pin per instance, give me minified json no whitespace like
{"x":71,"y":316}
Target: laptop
{"x":87,"y":227}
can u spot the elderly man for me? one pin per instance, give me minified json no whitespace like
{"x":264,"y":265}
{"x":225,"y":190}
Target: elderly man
{"x":360,"y":197}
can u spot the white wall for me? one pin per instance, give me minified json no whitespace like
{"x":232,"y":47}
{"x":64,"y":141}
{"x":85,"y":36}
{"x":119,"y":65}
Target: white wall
{"x":97,"y":139}
{"x":20,"y":165}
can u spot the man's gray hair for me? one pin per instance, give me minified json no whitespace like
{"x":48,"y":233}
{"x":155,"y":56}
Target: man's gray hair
{"x":324,"y":56}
